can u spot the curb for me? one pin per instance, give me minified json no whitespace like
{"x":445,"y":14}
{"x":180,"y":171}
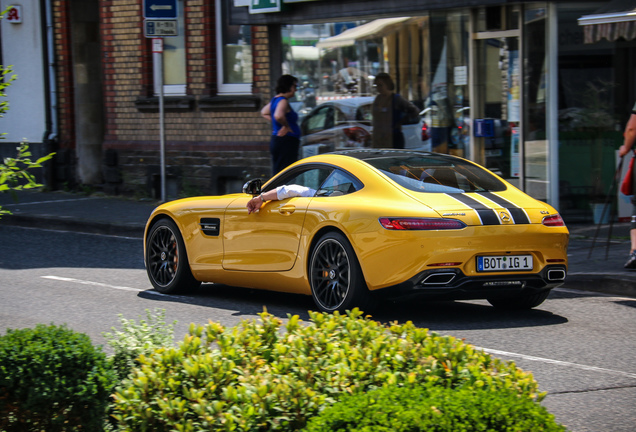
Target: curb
{"x":610,"y":283}
{"x":74,"y":225}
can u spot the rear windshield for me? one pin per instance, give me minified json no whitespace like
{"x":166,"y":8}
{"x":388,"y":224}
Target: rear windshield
{"x":436,"y":174}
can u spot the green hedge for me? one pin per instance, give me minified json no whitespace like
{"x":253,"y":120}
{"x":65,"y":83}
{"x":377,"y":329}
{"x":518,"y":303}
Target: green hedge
{"x":435,"y":409}
{"x":137,"y":338}
{"x":258,"y":376}
{"x":52,"y":379}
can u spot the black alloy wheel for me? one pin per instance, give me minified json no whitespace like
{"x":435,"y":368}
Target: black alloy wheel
{"x":335,"y":277}
{"x":166,"y":259}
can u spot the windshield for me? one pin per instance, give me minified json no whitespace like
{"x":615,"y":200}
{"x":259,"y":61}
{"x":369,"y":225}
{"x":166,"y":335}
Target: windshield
{"x":435,"y":173}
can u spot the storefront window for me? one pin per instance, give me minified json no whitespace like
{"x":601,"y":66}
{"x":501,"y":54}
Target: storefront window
{"x":535,"y":93}
{"x":596,"y":90}
{"x":447,"y":101}
{"x":234,"y":54}
{"x":426,"y":56}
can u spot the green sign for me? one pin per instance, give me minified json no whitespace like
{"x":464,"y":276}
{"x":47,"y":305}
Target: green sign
{"x":263,"y":6}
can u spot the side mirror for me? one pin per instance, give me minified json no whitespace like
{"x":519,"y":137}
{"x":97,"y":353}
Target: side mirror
{"x":253,"y":187}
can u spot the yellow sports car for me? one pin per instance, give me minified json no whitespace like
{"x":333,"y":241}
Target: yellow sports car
{"x":366,"y":224}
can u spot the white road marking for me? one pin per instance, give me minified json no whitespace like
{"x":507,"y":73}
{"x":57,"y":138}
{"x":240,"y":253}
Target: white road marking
{"x":557,"y":362}
{"x":487,"y":350}
{"x":98,"y":284}
{"x":592,"y":293}
{"x":122,"y":288}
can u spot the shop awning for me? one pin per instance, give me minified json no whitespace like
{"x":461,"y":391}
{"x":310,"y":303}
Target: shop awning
{"x":615,"y":20}
{"x":303,"y":53}
{"x":365,"y":31}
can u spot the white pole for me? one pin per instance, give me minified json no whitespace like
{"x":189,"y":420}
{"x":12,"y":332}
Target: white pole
{"x":552,"y":108}
{"x":157,"y":52}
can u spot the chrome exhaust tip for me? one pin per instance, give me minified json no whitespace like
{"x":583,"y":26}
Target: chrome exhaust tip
{"x":438,"y":279}
{"x":556,"y":275}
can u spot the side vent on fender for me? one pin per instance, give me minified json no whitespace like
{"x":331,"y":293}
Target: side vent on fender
{"x":210,"y":226}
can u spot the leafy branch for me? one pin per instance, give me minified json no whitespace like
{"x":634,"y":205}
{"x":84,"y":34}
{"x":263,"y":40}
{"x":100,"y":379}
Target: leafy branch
{"x":14,"y":172}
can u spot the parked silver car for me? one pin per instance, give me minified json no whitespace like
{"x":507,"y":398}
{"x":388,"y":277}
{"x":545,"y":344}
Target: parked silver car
{"x":347,"y":123}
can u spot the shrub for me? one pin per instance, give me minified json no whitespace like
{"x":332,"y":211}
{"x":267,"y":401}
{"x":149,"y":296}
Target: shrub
{"x":52,"y":379}
{"x":136,"y":339}
{"x":259,"y":377}
{"x":435,"y":409}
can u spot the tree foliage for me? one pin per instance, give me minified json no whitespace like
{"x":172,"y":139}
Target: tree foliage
{"x":15,"y":172}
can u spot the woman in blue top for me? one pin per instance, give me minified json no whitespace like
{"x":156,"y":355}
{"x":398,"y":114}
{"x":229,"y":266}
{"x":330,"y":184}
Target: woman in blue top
{"x":285,"y":130}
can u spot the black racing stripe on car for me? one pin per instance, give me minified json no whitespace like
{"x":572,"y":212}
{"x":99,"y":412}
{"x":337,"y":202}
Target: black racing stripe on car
{"x":518,"y":214}
{"x":487,"y":215}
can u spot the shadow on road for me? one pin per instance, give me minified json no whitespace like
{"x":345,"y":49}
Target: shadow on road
{"x":447,"y":315}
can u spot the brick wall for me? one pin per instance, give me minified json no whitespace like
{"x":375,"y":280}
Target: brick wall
{"x":64,"y":74}
{"x":209,"y":139}
{"x":64,"y":159}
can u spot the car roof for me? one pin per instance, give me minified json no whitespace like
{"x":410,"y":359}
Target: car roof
{"x":370,"y":153}
{"x":348,"y":106}
{"x":352,"y":102}
{"x":354,"y":159}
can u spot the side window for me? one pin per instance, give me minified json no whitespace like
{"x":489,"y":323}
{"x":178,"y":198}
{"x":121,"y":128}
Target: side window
{"x":339,"y":183}
{"x":311,"y":178}
{"x":319,"y":120}
{"x":339,"y":116}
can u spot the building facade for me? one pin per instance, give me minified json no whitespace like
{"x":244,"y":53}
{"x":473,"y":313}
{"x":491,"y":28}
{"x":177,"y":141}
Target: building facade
{"x":212,"y":132}
{"x":536,"y":91}
{"x":25,"y":53}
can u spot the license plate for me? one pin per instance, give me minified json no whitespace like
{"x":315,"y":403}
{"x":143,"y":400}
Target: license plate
{"x":504,"y":263}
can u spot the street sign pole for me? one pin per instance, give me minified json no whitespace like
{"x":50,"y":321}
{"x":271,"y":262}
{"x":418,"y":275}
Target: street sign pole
{"x":157,"y":53}
{"x":159,"y":21}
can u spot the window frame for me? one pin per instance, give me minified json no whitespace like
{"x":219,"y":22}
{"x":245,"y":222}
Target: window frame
{"x":173,"y":89}
{"x":222,"y":87}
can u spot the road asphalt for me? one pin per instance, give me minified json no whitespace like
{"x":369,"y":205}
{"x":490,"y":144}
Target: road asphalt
{"x":596,"y":253}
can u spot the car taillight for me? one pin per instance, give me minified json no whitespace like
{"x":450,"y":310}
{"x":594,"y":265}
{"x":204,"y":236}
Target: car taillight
{"x":553,"y":221}
{"x":421,"y":224}
{"x":425,"y":135}
{"x":357,"y":134}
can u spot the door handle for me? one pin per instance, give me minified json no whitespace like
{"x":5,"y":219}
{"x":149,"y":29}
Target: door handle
{"x":287,"y":209}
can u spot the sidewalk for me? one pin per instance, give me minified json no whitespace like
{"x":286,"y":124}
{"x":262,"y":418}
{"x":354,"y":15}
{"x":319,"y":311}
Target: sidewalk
{"x":76,"y":212}
{"x":127,"y":217}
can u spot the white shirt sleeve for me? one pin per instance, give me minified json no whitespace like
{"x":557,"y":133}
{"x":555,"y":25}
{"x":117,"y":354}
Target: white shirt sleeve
{"x":289,"y":191}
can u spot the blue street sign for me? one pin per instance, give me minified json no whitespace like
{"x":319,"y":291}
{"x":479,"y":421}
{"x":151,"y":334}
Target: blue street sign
{"x":160,"y":9}
{"x":484,"y":128}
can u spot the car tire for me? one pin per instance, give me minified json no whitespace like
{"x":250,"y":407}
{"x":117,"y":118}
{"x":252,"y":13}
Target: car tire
{"x":336,"y":280}
{"x":166,"y":259}
{"x":521,"y":302}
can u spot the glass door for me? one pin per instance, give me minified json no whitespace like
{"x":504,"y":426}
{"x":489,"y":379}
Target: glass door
{"x":497,"y":117}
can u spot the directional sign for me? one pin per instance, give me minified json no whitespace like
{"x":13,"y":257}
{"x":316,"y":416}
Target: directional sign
{"x":160,"y":28}
{"x":263,"y":6}
{"x":160,"y":9}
